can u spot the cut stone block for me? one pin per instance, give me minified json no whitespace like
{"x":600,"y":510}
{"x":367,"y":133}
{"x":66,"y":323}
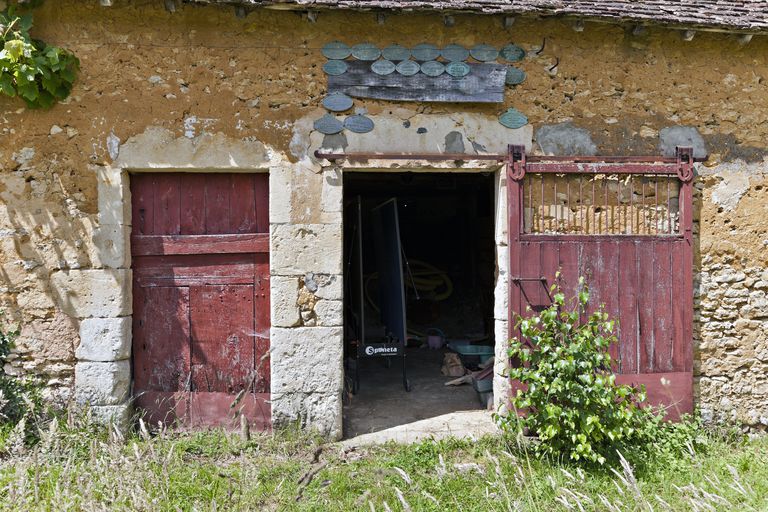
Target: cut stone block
{"x":104,"y":339}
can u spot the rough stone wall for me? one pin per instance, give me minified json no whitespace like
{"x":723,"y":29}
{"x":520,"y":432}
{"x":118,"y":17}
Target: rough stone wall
{"x":207,"y":77}
{"x":731,"y":324}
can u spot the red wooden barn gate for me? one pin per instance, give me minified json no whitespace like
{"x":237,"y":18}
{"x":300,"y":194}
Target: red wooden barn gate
{"x":625,"y":225}
{"x":200,"y":247}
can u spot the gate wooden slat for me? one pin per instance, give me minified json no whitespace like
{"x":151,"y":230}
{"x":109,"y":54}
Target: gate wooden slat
{"x":686,"y":250}
{"x":663,"y":327}
{"x":628,"y":312}
{"x":530,"y":271}
{"x":514,"y":206}
{"x":607,"y":275}
{"x":193,"y":204}
{"x":569,"y":269}
{"x":678,"y":308}
{"x":645,"y":304}
{"x":550,"y":264}
{"x":588,"y":268}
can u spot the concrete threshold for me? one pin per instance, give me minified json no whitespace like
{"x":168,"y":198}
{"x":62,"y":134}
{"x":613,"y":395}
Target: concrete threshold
{"x":459,"y":425}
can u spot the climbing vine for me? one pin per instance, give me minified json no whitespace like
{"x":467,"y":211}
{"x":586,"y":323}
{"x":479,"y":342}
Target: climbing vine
{"x":38,"y":73}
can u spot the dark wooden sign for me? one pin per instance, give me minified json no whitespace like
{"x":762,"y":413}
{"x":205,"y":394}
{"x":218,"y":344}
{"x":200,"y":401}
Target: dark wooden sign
{"x":483,"y":84}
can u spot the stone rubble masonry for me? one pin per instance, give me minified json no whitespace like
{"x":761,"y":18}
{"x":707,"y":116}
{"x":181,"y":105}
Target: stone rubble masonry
{"x":731,"y":359}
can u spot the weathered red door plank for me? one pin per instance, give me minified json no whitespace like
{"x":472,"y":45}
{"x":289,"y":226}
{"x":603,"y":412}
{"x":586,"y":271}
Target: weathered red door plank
{"x":222,"y":326}
{"x":193,"y":204}
{"x":679,"y":307}
{"x":218,"y":193}
{"x":628,"y":312}
{"x":528,"y":281}
{"x":569,"y":257}
{"x":663,"y":326}
{"x":261,"y":315}
{"x":167,"y":204}
{"x":588,"y":269}
{"x":161,"y":355}
{"x":608,"y":276}
{"x":243,"y":204}
{"x":645,"y":304}
{"x":156,"y":245}
{"x":550,"y":264}
{"x":142,"y":204}
{"x":261,"y":194}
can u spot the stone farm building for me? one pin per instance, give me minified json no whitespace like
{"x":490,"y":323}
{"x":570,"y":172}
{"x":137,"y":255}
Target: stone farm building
{"x":210,"y":220}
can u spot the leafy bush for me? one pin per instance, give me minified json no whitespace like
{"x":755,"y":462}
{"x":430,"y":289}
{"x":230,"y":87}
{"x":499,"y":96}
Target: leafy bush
{"x":38,"y":73}
{"x":570,"y":398}
{"x":20,"y":400}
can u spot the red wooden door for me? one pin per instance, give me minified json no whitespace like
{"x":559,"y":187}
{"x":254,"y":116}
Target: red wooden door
{"x":200,"y":247}
{"x":625,"y":226}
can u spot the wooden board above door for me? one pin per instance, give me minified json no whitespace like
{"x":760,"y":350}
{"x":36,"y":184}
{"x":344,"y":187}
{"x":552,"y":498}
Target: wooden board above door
{"x":483,"y":84}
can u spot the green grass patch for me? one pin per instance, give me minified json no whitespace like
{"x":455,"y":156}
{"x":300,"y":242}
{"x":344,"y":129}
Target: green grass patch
{"x":85,"y":468}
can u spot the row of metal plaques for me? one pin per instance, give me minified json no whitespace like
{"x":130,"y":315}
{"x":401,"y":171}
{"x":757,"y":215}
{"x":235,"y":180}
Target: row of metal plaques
{"x":431,"y":68}
{"x":424,"y":52}
{"x":330,"y":125}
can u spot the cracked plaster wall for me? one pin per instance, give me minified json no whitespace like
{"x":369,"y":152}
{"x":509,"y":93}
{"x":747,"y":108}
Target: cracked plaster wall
{"x":257,"y":82}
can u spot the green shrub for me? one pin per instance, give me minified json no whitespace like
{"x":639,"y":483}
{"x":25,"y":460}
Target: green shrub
{"x":570,"y":399}
{"x":20,"y":399}
{"x":38,"y":73}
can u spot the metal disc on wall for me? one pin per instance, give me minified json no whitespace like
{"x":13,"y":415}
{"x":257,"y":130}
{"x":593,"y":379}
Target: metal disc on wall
{"x":484,"y":53}
{"x":328,"y":125}
{"x":408,"y":68}
{"x":513,"y":118}
{"x":337,"y":102}
{"x":335,"y":67}
{"x":454,"y":53}
{"x":383,"y":67}
{"x":336,"y":50}
{"x":425,"y":51}
{"x":366,"y":51}
{"x":515,"y":76}
{"x":512,"y":53}
{"x":457,"y":69}
{"x":358,"y":124}
{"x":432,"y":68}
{"x":396,"y":52}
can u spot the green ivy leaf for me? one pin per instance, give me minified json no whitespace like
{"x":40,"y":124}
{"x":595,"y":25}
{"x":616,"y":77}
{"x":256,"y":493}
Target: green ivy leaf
{"x":6,"y":85}
{"x":14,"y":49}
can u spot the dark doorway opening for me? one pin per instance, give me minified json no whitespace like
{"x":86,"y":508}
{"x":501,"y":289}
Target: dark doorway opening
{"x":446,"y":230}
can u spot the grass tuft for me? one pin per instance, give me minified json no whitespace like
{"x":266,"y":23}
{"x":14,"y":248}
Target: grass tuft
{"x":77,"y":465}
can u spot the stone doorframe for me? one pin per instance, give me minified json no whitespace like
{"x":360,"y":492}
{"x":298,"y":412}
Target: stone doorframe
{"x":307,"y":291}
{"x":101,"y":297}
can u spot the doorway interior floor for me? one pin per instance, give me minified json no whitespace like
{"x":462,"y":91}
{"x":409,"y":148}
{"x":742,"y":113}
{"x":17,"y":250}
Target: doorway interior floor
{"x":382,"y":402}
